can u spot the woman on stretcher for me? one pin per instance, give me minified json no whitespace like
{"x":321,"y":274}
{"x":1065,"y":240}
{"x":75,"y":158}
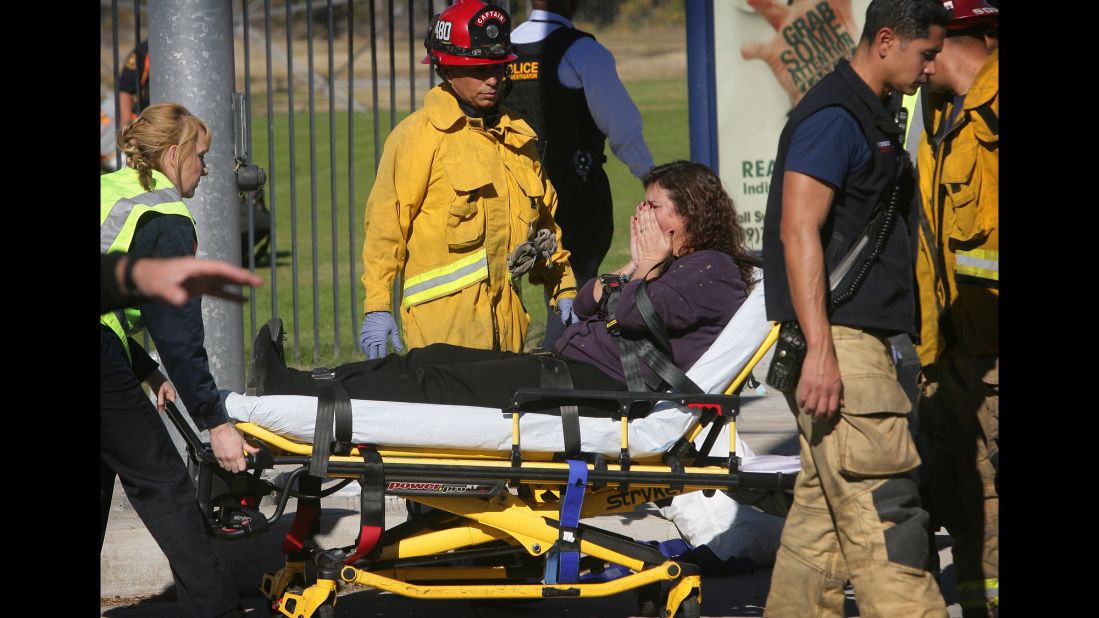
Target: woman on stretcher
{"x":684,"y":241}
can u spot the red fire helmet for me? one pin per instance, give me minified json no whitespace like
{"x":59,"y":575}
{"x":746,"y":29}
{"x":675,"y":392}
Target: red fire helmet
{"x":968,"y":13}
{"x":469,"y":32}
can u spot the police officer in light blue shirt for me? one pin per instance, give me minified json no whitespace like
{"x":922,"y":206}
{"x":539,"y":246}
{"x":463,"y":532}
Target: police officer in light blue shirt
{"x":566,"y":86}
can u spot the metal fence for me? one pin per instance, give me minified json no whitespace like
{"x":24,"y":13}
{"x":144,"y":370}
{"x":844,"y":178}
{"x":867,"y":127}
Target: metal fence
{"x":349,"y":69}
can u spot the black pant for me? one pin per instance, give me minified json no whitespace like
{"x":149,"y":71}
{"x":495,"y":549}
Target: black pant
{"x":585,"y":213}
{"x":135,"y":445}
{"x":439,"y":373}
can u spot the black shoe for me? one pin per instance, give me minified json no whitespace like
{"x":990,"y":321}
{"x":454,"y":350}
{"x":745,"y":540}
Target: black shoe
{"x":268,"y":343}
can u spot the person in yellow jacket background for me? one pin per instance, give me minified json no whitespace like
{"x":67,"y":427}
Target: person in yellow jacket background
{"x":958,"y":276}
{"x":461,"y":205}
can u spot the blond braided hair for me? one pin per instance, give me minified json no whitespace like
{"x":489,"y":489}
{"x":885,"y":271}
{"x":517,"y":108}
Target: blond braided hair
{"x":146,"y":138}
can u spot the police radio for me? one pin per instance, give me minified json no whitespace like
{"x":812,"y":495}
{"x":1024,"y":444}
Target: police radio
{"x":581,"y":162}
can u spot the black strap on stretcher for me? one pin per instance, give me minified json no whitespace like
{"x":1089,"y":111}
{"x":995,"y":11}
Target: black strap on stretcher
{"x":710,"y":414}
{"x":555,"y":374}
{"x":306,"y":520}
{"x":334,"y":407}
{"x":563,"y":564}
{"x":333,"y":403}
{"x":371,"y":504}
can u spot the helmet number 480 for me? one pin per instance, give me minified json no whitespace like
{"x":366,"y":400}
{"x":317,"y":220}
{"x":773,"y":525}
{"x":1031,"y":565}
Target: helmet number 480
{"x":442,"y":30}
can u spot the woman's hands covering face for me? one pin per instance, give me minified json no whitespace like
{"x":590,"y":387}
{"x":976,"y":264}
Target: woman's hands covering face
{"x":649,"y":243}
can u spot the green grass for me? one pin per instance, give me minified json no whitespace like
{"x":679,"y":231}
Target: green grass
{"x":663,"y":104}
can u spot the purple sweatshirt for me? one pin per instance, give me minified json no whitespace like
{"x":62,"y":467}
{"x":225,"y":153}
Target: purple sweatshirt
{"x":696,"y":297}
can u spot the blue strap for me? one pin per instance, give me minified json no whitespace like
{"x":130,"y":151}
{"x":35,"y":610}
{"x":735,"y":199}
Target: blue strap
{"x":563,"y":565}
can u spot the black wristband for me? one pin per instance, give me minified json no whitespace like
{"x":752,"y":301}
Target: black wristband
{"x":128,"y":276}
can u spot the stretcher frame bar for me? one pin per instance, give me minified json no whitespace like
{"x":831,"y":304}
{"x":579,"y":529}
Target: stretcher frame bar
{"x":698,"y":478}
{"x":523,"y":526}
{"x":667,"y":571}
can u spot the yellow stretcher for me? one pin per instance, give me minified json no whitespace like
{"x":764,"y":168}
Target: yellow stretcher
{"x":495,"y":530}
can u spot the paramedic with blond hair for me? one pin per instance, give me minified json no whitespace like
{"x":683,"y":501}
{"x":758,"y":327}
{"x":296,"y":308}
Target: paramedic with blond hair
{"x":142,"y":212}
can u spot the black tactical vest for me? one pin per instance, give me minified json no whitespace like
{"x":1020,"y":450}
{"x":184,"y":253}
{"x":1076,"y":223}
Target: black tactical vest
{"x":559,"y":115}
{"x":886,"y":300}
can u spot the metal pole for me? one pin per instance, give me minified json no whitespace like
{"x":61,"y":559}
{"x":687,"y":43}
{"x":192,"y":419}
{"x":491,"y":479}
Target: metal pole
{"x":250,"y":196}
{"x":293,"y":164}
{"x":351,"y":167}
{"x":411,"y":58}
{"x":430,"y":73}
{"x":191,"y":42}
{"x":272,"y":238}
{"x":392,"y":72}
{"x":701,"y":101}
{"x":332,"y":173}
{"x":140,"y":97}
{"x":374,"y":82}
{"x":313,"y":179}
{"x":117,"y":111}
{"x":141,"y":102}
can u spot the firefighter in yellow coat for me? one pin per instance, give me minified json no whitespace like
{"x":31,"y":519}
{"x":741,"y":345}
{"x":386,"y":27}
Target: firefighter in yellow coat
{"x":958,"y":275}
{"x":461,"y":207}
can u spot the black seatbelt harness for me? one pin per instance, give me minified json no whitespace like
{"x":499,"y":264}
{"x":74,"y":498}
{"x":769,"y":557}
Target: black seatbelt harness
{"x":633,"y":350}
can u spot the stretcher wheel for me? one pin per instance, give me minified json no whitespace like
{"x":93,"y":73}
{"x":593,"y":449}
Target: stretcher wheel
{"x":651,"y":603}
{"x":689,"y":608}
{"x":648,"y":600}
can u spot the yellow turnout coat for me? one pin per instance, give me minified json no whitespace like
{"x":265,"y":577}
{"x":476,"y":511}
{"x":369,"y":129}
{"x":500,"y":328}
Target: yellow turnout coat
{"x":451,"y":201}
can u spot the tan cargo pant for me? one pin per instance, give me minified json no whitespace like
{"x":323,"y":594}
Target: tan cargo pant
{"x":959,"y":406}
{"x":856,"y":512}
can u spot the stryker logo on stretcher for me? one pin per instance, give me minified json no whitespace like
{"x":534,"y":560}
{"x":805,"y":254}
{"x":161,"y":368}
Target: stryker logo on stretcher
{"x":640,"y":496}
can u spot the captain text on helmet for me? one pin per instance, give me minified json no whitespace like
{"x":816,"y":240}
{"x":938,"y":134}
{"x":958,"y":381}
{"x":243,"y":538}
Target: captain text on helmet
{"x":461,"y":207}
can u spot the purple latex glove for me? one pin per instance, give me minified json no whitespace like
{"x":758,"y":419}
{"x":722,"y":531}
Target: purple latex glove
{"x":564,"y":307}
{"x":377,"y":326}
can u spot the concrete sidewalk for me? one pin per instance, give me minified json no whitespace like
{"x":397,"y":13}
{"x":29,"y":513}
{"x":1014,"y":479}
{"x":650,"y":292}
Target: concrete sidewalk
{"x":135,"y":580}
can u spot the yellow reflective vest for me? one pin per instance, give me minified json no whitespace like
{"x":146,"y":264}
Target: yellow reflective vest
{"x":957,"y":264}
{"x":451,"y":201}
{"x":122,"y":202}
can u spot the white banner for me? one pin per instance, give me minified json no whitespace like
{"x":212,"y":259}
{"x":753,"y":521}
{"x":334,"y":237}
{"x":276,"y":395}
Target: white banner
{"x":767,"y":54}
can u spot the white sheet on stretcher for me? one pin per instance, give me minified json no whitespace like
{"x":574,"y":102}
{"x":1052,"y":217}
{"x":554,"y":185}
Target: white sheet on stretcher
{"x":469,"y":427}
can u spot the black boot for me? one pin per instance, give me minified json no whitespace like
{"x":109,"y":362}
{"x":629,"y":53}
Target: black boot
{"x":267,"y":350}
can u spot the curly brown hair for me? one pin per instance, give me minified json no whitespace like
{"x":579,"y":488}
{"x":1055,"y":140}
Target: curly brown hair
{"x":700,"y":198}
